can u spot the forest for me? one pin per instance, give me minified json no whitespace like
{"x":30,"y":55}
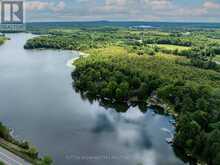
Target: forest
{"x":129,"y":64}
{"x":198,"y":46}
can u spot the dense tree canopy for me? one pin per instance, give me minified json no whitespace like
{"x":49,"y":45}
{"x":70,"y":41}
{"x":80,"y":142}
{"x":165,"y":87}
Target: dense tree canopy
{"x":198,"y":46}
{"x":194,"y":93}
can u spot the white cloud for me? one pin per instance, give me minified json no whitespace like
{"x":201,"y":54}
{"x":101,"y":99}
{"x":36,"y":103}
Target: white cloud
{"x":39,"y":5}
{"x":138,"y":10}
{"x":211,"y":5}
{"x":36,"y":5}
{"x":116,"y":2}
{"x":137,"y":5}
{"x":59,"y":7}
{"x":159,"y":4}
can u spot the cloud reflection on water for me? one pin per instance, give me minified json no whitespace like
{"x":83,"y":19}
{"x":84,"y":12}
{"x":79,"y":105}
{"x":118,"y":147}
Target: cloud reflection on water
{"x":138,"y":133}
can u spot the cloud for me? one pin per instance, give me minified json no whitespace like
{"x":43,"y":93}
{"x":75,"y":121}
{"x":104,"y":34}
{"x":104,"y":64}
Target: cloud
{"x":208,"y":10}
{"x":159,"y":4}
{"x":59,"y":7}
{"x":211,"y":5}
{"x":116,"y":2}
{"x":39,"y":5}
{"x":131,"y":5}
{"x":36,"y":5}
{"x":137,"y":10}
{"x":190,"y":12}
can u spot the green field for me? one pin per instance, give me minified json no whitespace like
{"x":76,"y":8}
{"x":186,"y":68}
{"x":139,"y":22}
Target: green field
{"x":170,"y":47}
{"x":217,"y":58}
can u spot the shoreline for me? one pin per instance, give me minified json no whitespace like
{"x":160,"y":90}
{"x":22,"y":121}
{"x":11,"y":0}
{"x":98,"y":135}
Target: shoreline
{"x":70,"y":63}
{"x":155,"y":101}
{"x":21,"y":148}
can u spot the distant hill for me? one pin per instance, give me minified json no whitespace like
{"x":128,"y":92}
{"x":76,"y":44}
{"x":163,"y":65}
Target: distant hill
{"x":48,"y":25}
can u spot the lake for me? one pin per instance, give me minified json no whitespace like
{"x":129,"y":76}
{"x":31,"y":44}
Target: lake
{"x":38,"y":101}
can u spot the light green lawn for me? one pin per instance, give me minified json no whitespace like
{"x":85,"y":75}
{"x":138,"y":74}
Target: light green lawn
{"x":147,"y":32}
{"x":217,"y":58}
{"x":64,"y":30}
{"x":215,"y":40}
{"x":171,"y":47}
{"x":172,"y":57}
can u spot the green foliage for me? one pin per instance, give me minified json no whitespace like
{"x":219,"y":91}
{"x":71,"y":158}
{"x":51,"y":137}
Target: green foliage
{"x":1,"y":163}
{"x":33,"y":153}
{"x":2,"y":40}
{"x":198,"y":46}
{"x":46,"y":161}
{"x":76,"y":40}
{"x":4,"y":132}
{"x":193,"y":92}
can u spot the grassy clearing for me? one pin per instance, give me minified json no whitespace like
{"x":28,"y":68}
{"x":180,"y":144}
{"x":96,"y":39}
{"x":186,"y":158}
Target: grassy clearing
{"x":161,"y":64}
{"x":172,"y":57}
{"x":215,"y":40}
{"x":63,"y":31}
{"x":146,"y":32}
{"x":217,"y":58}
{"x":116,"y":50}
{"x":171,"y":47}
{"x":113,"y":50}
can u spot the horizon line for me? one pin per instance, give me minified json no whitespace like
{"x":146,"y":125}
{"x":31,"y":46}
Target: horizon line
{"x":81,"y":21}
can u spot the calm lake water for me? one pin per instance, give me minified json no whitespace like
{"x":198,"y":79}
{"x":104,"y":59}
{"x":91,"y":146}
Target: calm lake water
{"x":37,"y":100}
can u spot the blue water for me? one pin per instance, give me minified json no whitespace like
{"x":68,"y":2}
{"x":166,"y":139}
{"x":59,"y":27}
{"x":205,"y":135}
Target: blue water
{"x":37,"y":100}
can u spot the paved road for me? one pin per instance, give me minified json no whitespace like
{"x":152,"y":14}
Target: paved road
{"x":11,"y":159}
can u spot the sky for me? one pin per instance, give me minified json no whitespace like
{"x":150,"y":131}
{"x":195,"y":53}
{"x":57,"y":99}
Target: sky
{"x":123,"y":10}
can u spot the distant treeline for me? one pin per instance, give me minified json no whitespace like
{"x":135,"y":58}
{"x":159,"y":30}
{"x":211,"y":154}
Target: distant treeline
{"x":95,"y":24}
